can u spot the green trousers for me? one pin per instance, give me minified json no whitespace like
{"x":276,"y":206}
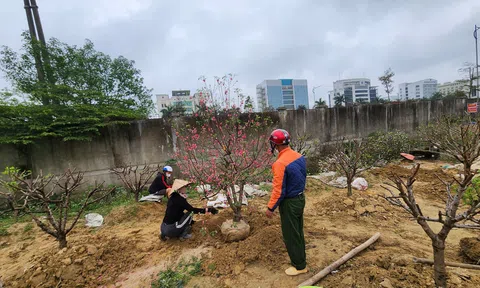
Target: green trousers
{"x":291,"y":216}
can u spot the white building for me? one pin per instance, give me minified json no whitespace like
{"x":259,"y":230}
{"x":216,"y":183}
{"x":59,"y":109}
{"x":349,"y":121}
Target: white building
{"x":354,"y":90}
{"x":182,"y":97}
{"x":451,"y":87}
{"x":417,"y":90}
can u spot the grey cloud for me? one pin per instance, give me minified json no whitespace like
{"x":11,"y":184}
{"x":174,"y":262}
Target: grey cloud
{"x":174,"y":42}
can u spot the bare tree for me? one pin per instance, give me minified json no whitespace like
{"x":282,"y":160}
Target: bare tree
{"x":12,"y":197}
{"x":467,"y":71}
{"x":300,"y":143}
{"x":387,"y":81}
{"x":349,"y":158}
{"x":134,"y":178}
{"x":460,"y":138}
{"x":40,"y":198}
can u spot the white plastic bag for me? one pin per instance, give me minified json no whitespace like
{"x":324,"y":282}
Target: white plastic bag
{"x":360,"y":184}
{"x":93,"y":220}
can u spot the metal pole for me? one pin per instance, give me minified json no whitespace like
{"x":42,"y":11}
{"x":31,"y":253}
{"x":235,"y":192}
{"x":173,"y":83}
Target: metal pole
{"x":31,"y":27}
{"x":38,"y":23}
{"x":314,"y":95}
{"x":476,"y":57}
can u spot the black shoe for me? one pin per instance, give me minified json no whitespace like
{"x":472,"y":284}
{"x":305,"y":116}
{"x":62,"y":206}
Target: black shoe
{"x":163,"y":237}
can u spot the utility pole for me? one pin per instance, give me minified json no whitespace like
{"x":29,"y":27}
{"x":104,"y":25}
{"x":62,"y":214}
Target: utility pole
{"x":38,"y":23}
{"x":476,"y":57}
{"x":33,"y":35}
{"x":314,"y":96}
{"x":36,"y":33}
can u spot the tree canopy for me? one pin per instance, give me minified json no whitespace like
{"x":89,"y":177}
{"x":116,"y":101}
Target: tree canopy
{"x":82,"y":90}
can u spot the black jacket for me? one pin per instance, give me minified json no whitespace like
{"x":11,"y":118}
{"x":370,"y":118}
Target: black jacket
{"x":176,"y":206}
{"x":159,"y":183}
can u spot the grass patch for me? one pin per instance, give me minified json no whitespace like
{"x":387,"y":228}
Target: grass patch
{"x":28,"y":228}
{"x":3,"y":231}
{"x":8,"y":220}
{"x":266,"y":187}
{"x":192,"y":192}
{"x":119,"y":198}
{"x":179,"y":276}
{"x":104,"y":207}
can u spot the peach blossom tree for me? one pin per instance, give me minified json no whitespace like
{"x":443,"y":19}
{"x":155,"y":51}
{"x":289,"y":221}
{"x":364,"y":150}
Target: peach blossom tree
{"x":223,"y":147}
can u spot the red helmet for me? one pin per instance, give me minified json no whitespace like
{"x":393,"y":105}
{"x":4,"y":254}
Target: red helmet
{"x":279,"y":137}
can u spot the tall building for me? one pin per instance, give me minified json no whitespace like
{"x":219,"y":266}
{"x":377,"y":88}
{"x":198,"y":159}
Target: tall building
{"x":451,"y":87}
{"x":354,"y":90}
{"x":417,"y":90}
{"x":179,"y":97}
{"x":288,"y":93}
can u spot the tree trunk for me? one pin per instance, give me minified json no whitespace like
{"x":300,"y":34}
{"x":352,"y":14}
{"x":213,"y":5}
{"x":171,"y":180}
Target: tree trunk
{"x":349,"y":187}
{"x":440,"y":272}
{"x":62,"y":241}
{"x":237,"y":212}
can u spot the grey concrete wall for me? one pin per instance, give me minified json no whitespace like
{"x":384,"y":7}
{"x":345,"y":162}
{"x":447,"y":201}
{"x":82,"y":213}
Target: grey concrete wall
{"x":359,"y":121}
{"x":150,"y":141}
{"x":142,"y":142}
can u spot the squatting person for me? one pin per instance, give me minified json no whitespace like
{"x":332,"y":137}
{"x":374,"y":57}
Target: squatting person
{"x":177,"y":223}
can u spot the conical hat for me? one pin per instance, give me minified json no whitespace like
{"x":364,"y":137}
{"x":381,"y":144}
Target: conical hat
{"x":179,"y":183}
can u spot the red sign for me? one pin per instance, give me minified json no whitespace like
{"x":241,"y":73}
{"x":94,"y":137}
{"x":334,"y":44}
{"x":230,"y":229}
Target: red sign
{"x":472,"y":108}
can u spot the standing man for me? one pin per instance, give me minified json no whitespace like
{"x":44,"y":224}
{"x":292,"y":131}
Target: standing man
{"x":289,"y":178}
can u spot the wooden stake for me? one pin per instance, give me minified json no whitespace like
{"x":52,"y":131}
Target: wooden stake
{"x":451,"y":264}
{"x":340,"y":261}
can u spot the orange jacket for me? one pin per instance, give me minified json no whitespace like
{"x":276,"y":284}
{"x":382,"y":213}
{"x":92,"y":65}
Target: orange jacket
{"x":289,"y":177}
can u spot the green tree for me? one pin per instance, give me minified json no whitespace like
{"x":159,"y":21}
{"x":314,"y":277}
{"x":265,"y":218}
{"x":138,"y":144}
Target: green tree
{"x":320,"y":103}
{"x":302,"y":107}
{"x":168,"y":111}
{"x":387,"y":81}
{"x":456,"y":94}
{"x":178,"y":109}
{"x":436,"y":96}
{"x":339,"y":100}
{"x":84,"y":90}
{"x":248,"y":104}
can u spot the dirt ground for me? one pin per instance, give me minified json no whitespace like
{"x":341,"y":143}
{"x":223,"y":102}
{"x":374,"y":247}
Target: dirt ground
{"x":126,"y":250}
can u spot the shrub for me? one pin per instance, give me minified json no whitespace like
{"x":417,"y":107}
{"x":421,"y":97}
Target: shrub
{"x":387,"y":146}
{"x":471,"y":194}
{"x":179,"y":276}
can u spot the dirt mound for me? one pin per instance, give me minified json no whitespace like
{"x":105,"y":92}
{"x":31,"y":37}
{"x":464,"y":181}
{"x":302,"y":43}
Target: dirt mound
{"x":427,"y":184}
{"x":98,"y":262}
{"x":136,"y":211}
{"x":470,"y":249}
{"x":264,"y":245}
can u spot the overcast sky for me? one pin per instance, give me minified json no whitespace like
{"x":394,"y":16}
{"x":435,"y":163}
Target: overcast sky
{"x":174,"y":42}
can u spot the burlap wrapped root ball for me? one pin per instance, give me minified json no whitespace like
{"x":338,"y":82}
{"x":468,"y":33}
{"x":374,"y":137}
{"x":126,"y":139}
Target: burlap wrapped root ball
{"x":235,"y":231}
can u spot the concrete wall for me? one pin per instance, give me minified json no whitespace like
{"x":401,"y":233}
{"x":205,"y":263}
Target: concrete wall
{"x":151,"y":141}
{"x":359,"y":121}
{"x":142,"y":142}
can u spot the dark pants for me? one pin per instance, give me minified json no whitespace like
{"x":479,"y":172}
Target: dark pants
{"x":162,"y":192}
{"x":291,"y":216}
{"x":179,"y":228}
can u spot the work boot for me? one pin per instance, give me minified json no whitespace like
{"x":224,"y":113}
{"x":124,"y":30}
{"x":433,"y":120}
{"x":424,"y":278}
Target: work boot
{"x":187,"y":236}
{"x":292,"y":271}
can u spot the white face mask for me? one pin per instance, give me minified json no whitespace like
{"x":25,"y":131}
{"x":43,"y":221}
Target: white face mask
{"x":168,"y":175}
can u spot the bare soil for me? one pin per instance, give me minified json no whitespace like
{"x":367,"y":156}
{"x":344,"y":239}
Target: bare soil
{"x":127,"y":252}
